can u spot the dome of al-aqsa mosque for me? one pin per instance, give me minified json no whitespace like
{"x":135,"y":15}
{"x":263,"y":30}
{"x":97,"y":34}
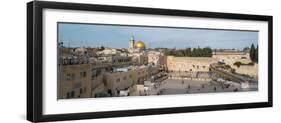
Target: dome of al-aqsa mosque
{"x":140,"y":45}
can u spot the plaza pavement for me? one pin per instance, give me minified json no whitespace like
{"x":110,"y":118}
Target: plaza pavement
{"x":176,"y":86}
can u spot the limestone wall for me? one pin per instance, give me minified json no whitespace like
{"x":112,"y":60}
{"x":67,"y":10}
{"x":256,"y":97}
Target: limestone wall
{"x":251,"y":70}
{"x":98,"y":89}
{"x":232,"y":58}
{"x":136,"y":90}
{"x":190,"y":63}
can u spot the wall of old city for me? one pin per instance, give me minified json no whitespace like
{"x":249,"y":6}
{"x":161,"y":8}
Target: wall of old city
{"x":251,"y":70}
{"x":231,"y":58}
{"x":189,"y":63}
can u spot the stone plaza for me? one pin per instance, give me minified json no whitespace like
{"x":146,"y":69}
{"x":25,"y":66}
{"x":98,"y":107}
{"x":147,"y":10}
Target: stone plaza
{"x":177,"y":86}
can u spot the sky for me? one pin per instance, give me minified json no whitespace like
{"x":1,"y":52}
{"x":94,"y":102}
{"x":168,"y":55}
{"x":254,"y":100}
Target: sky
{"x":116,"y":36}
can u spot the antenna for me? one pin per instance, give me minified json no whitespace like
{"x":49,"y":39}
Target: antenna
{"x":59,"y":40}
{"x":68,"y":46}
{"x":68,"y":43}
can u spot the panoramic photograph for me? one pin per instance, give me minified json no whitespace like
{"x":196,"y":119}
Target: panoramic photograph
{"x":103,"y":60}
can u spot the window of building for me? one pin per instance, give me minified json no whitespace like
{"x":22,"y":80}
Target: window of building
{"x":84,"y":89}
{"x":72,"y":94}
{"x":125,"y":77}
{"x":204,"y":66}
{"x":67,"y":95}
{"x":68,"y":76}
{"x":118,"y":80}
{"x":81,"y":90}
{"x":130,"y":76}
{"x":83,"y":74}
{"x":73,"y":76}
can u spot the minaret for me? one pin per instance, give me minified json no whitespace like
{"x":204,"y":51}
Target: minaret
{"x":132,"y":42}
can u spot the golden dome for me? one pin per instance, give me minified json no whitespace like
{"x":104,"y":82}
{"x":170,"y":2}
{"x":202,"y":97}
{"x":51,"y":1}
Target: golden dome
{"x":140,"y":44}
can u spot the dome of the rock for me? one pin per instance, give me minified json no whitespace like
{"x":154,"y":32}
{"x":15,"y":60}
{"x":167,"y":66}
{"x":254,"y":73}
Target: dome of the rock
{"x":140,"y":45}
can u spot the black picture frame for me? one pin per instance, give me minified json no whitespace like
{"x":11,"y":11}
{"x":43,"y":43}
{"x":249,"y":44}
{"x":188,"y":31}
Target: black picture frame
{"x":35,"y":69}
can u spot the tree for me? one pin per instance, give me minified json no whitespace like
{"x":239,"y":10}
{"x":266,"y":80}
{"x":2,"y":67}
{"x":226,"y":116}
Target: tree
{"x":187,"y":52}
{"x":233,"y":71}
{"x":238,"y":63}
{"x":246,"y":49}
{"x":60,"y":44}
{"x":257,"y":54}
{"x":102,"y":48}
{"x":227,"y":66}
{"x":252,"y":52}
{"x":173,"y":52}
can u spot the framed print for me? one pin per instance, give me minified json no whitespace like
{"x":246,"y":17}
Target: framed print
{"x":89,"y":61}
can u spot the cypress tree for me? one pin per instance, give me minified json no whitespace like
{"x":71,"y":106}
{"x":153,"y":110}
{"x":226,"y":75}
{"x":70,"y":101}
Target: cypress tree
{"x":252,"y":52}
{"x":257,"y":54}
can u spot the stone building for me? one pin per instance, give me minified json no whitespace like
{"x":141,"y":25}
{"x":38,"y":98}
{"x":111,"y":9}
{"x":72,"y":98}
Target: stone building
{"x":74,"y":81}
{"x":155,"y":57}
{"x":121,"y":79}
{"x":99,"y":87}
{"x":139,"y":58}
{"x":107,"y":52}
